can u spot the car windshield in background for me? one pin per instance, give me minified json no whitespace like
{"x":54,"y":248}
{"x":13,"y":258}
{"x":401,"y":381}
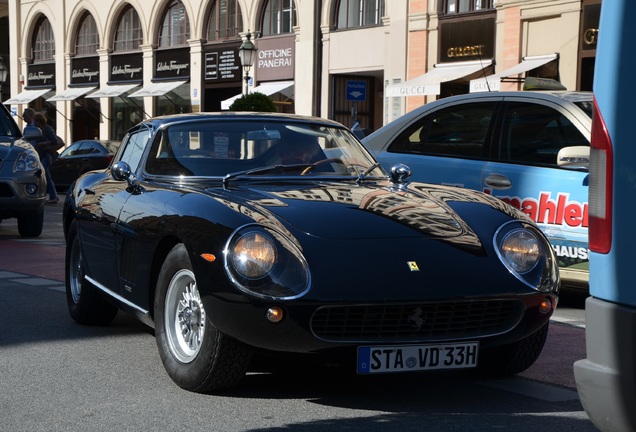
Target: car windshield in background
{"x":8,"y":127}
{"x":215,"y":149}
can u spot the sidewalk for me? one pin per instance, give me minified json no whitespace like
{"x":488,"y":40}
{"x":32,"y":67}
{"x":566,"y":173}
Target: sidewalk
{"x":29,"y":259}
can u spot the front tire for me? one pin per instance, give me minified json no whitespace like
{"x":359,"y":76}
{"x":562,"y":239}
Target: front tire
{"x":516,"y":357}
{"x":85,"y":303}
{"x":195,"y":354}
{"x":31,"y":225}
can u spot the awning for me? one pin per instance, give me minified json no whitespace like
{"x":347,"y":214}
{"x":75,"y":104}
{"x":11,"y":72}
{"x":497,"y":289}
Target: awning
{"x":27,"y":96}
{"x":110,"y":91}
{"x":429,"y":83}
{"x":157,"y":89}
{"x":493,"y":82}
{"x":286,"y":88}
{"x":71,"y":94}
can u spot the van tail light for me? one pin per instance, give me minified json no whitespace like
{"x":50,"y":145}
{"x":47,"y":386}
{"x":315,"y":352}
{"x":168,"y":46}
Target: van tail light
{"x":601,"y":185}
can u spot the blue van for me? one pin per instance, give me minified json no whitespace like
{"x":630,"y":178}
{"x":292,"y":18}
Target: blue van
{"x":606,"y":379}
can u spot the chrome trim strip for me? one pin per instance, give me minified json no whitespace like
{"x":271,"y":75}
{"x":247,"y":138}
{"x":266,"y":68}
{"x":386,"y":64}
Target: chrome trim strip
{"x":115,"y":296}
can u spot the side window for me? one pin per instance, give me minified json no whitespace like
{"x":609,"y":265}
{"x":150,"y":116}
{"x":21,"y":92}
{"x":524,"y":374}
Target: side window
{"x":534,"y":134}
{"x":134,"y":146}
{"x":457,"y":131}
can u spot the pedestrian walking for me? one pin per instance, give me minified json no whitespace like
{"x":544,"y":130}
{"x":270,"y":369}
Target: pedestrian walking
{"x":45,"y":147}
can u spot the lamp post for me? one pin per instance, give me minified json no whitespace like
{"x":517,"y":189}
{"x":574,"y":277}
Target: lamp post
{"x":246,"y":55}
{"x":3,"y":76}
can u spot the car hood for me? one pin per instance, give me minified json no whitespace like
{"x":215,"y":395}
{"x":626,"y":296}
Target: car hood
{"x":349,"y":211}
{"x":9,"y":150}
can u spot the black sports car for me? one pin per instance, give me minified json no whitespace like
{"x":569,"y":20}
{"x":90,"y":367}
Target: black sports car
{"x":240,"y":233}
{"x":80,"y":157}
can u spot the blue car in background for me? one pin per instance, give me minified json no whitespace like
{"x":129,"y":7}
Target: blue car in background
{"x":527,"y":148}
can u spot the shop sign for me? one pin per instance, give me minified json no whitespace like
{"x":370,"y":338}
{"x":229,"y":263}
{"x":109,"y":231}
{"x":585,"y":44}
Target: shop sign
{"x":467,"y":40}
{"x":41,"y":75}
{"x":85,"y":70}
{"x":126,"y":67}
{"x":275,"y":58}
{"x":223,"y":64}
{"x":172,"y":63}
{"x":591,"y":16}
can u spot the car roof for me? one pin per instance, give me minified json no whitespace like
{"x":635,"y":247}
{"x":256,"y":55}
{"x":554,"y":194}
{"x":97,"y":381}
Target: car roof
{"x":247,"y":116}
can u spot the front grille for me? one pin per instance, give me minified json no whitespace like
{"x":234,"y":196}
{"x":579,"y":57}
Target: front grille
{"x":416,"y":322}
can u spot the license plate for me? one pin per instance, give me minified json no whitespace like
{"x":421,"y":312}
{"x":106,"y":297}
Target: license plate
{"x":385,"y":359}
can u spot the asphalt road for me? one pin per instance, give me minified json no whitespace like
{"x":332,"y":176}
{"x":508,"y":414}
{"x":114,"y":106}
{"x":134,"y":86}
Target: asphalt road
{"x":56,"y":375}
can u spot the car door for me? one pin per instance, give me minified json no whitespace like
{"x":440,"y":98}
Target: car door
{"x":100,"y":206}
{"x":448,"y":146}
{"x":525,"y":174}
{"x":64,"y":168}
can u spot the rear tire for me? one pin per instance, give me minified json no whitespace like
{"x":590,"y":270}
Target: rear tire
{"x":514,"y":358}
{"x":31,"y":225}
{"x":195,"y":354}
{"x":85,"y":303}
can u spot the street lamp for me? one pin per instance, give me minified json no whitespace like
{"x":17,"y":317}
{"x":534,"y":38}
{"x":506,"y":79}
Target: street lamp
{"x":3,"y":76}
{"x":246,"y":55}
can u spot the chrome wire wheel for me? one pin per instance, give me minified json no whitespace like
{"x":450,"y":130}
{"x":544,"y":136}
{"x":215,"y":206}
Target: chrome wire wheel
{"x":76,"y":272}
{"x":184,"y":317}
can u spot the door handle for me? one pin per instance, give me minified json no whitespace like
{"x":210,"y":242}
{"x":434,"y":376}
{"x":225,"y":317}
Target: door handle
{"x":498,"y":181}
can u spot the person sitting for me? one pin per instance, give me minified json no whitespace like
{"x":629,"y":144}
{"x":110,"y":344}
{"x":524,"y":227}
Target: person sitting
{"x":302,"y":151}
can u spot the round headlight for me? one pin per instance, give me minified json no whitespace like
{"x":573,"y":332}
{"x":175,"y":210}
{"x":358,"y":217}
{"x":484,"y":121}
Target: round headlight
{"x":521,"y":250}
{"x":253,"y":255}
{"x":265,"y":263}
{"x":527,"y":254}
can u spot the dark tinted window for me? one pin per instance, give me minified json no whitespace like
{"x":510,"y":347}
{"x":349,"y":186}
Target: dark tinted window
{"x":534,"y":134}
{"x":459,"y":131}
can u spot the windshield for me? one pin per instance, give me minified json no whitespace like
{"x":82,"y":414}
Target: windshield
{"x":213,"y":148}
{"x":8,"y":127}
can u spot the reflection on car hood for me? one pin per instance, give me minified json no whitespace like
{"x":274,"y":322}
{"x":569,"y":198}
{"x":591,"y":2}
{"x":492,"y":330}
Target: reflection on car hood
{"x":9,"y":151}
{"x":338,"y":211}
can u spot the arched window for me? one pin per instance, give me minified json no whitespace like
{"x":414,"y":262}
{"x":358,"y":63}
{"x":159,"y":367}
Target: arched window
{"x":43,"y":42}
{"x":279,"y":17}
{"x":175,"y":30}
{"x":87,"y":41}
{"x":129,"y":35}
{"x":225,"y":20}
{"x":359,"y":13}
{"x":454,"y":7}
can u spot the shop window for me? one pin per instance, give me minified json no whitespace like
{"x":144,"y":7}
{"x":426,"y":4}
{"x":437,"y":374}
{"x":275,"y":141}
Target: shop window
{"x":279,"y":17}
{"x":225,"y":21}
{"x":87,"y":41}
{"x":129,"y":33}
{"x":175,"y":30}
{"x":454,"y":7}
{"x":44,"y":42}
{"x":358,"y":13}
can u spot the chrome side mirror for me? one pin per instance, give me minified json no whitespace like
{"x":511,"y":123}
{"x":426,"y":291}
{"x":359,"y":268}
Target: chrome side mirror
{"x":399,"y":174}
{"x":121,"y":171}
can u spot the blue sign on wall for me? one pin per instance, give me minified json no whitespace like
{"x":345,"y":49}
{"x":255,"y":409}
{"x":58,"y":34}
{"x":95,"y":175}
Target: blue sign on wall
{"x":356,"y":91}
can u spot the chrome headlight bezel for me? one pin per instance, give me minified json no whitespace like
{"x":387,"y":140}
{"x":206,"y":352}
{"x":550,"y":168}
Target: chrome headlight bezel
{"x":527,"y":254}
{"x":266,"y":264}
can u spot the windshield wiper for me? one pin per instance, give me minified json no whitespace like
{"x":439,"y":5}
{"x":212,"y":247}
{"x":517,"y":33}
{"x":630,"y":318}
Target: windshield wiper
{"x":262,"y":170}
{"x":366,"y":172}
